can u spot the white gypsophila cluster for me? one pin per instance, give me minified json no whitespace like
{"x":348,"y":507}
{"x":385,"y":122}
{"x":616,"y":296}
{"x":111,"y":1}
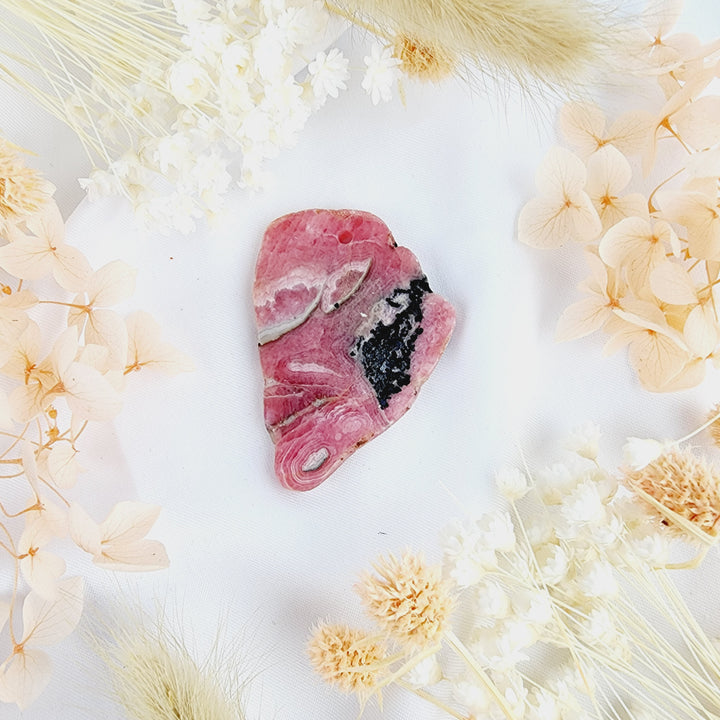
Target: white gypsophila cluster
{"x":552,"y":600}
{"x":246,"y":79}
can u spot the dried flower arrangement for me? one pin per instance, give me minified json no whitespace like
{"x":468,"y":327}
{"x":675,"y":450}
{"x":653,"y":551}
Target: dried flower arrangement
{"x":55,"y":382}
{"x":560,"y":606}
{"x":653,"y":254}
{"x":178,"y":102}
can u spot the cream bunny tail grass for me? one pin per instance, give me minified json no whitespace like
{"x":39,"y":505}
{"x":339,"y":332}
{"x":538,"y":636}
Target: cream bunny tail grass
{"x":553,"y":43}
{"x":155,"y":676}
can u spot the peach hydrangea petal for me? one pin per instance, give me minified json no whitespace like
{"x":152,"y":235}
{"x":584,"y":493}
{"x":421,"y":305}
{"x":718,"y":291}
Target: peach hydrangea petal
{"x":47,"y":622}
{"x":146,"y":349}
{"x":671,"y":283}
{"x":582,"y":318}
{"x":701,"y":330}
{"x":583,"y":126}
{"x":563,"y":211}
{"x":697,"y":123}
{"x":24,"y":676}
{"x":700,"y":214}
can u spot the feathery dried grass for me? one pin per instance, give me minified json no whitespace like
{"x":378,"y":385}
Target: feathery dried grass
{"x":550,"y":42}
{"x":155,"y":676}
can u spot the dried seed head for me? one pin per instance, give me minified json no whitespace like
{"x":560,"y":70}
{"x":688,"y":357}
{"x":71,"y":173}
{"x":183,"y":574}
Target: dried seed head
{"x":346,"y":657}
{"x":23,"y":191}
{"x":684,"y":484}
{"x":408,"y":599}
{"x":714,"y":428}
{"x":422,"y":61}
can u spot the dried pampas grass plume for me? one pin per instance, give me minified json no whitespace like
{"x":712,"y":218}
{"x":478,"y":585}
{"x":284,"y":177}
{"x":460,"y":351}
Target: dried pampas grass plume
{"x":555,"y":43}
{"x":154,"y":675}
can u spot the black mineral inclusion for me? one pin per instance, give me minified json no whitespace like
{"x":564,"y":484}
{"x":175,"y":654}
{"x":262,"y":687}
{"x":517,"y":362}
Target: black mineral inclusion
{"x":386,"y":353}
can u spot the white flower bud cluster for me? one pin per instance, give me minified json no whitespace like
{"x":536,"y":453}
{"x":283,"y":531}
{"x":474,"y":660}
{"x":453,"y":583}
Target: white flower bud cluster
{"x":241,"y":84}
{"x":549,"y":578}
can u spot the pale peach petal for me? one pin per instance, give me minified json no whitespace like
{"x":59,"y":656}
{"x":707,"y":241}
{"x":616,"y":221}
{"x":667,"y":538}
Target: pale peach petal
{"x":624,"y":241}
{"x":608,"y":172}
{"x":659,"y":18}
{"x":630,"y":133}
{"x":24,"y":353}
{"x":89,"y":394}
{"x":656,"y":358}
{"x":64,"y":351}
{"x":705,"y":164}
{"x":107,"y":328}
{"x":691,"y":375}
{"x":111,"y":284}
{"x":128,"y":521}
{"x":24,"y":676}
{"x":84,"y":531}
{"x":138,"y":556}
{"x":561,"y":174}
{"x":583,"y":126}
{"x":671,"y":283}
{"x":27,"y":401}
{"x":70,"y":268}
{"x":582,"y":318}
{"x":698,"y":122}
{"x":700,"y":214}
{"x":28,"y":258}
{"x":46,"y":622}
{"x":62,"y":465}
{"x":146,"y":349}
{"x":29,"y":466}
{"x":632,"y":205}
{"x":701,"y":330}
{"x":42,"y":571}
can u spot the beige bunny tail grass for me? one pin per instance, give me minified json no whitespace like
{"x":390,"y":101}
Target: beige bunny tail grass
{"x":551,"y":43}
{"x":154,"y":676}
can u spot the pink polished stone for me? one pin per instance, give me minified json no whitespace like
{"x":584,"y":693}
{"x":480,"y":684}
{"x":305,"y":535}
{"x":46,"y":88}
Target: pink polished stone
{"x":348,"y":331}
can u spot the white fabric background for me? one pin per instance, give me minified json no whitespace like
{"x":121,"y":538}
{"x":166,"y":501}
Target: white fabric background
{"x":448,"y":172}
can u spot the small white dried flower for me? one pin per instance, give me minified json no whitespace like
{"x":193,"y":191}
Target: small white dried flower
{"x":552,"y":562}
{"x":596,"y":579}
{"x":490,"y":601}
{"x":188,"y":81}
{"x":512,"y":483}
{"x":585,"y":441}
{"x":427,"y":672}
{"x":328,"y":73}
{"x":495,"y":531}
{"x":639,"y":452}
{"x":381,"y":73}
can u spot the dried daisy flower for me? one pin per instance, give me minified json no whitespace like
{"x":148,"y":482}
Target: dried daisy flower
{"x":408,"y":599}
{"x":346,"y":657}
{"x":23,"y":191}
{"x":684,"y":486}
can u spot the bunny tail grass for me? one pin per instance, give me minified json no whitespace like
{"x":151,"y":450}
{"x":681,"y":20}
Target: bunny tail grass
{"x":555,"y":43}
{"x":154,"y":675}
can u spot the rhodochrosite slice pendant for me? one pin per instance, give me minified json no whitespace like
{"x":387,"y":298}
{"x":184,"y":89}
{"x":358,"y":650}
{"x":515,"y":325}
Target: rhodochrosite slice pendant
{"x":348,"y":330}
